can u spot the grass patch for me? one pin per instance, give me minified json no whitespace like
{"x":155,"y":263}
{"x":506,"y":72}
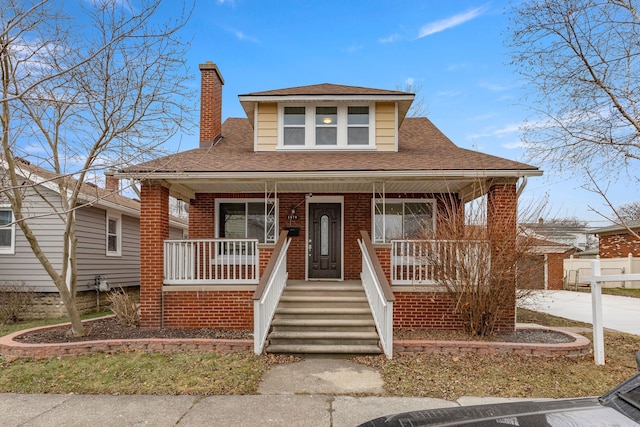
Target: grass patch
{"x":14,"y":327}
{"x":530,"y":316}
{"x":136,"y":373}
{"x":622,"y":292}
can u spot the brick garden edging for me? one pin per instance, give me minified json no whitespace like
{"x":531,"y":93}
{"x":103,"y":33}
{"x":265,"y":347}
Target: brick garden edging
{"x":11,"y":350}
{"x":580,"y":347}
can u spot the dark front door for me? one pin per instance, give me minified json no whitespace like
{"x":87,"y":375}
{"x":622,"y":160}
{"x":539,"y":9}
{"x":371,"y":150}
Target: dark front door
{"x":325,"y":242}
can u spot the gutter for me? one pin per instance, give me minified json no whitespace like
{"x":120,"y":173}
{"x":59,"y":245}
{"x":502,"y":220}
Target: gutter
{"x":315,"y":175}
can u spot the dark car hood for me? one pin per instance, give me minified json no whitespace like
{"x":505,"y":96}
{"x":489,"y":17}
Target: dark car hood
{"x":566,"y":412}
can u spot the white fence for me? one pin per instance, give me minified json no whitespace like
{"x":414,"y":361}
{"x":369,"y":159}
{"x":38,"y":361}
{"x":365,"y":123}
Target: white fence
{"x":211,"y":262}
{"x":576,"y":271}
{"x":410,"y":263}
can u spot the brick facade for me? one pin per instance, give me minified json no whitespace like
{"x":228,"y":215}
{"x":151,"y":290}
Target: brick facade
{"x":502,"y":208}
{"x":154,"y":230}
{"x":234,"y":308}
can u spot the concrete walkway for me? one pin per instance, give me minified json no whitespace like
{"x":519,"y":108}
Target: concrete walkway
{"x":308,"y":393}
{"x":619,"y":313}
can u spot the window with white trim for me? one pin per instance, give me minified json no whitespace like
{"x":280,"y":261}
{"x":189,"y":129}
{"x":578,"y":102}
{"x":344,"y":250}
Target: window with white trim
{"x":326,"y":126}
{"x":247,"y":219}
{"x":402,"y":219}
{"x":7,"y":232}
{"x":358,"y":125}
{"x":294,"y":126}
{"x":114,"y":234}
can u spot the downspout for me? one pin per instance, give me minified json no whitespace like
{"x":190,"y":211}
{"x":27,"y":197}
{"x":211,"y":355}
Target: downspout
{"x":520,"y":189}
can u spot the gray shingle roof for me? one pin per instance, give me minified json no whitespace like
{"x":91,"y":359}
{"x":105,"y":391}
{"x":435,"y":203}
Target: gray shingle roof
{"x":421,"y":147}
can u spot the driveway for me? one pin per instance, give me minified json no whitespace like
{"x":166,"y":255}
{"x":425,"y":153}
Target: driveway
{"x":619,"y":313}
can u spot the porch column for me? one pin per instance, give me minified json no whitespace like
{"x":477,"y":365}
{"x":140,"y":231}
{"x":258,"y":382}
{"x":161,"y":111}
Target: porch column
{"x":502,"y":206}
{"x":154,"y":230}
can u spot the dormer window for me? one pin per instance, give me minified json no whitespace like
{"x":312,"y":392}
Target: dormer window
{"x":326,"y":126}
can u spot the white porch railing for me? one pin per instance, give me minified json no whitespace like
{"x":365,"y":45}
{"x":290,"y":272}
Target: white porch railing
{"x":378,"y":293}
{"x":269,"y":291}
{"x":211,"y":262}
{"x":410,"y":263}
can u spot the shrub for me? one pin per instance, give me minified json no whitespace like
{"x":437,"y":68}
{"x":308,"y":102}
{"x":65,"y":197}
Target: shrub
{"x":124,"y":307}
{"x":15,"y":300}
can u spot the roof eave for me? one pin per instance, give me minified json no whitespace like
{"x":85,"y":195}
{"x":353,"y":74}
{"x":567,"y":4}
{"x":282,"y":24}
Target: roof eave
{"x":257,"y":175}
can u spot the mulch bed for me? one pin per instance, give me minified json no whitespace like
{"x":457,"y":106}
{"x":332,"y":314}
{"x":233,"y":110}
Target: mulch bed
{"x":110,"y":329}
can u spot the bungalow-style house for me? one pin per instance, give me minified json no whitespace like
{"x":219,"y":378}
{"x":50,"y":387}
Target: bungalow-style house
{"x":303,"y":215}
{"x":108,"y":233}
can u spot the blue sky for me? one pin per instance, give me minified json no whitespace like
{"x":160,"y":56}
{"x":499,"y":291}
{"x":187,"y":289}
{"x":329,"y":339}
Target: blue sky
{"x":454,"y":49}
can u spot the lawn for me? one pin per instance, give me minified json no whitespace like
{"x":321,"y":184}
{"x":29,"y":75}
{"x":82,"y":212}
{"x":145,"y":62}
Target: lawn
{"x":419,"y":375}
{"x":452,"y":376}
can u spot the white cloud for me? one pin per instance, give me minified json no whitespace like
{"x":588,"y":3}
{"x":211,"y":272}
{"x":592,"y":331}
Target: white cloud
{"x":453,"y":21}
{"x":409,"y":81}
{"x":449,"y":93}
{"x":495,"y":87}
{"x":355,"y":47}
{"x":240,"y":35}
{"x":496,"y":132}
{"x":389,"y":39}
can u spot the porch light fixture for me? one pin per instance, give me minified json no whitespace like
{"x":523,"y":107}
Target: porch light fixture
{"x":292,"y":215}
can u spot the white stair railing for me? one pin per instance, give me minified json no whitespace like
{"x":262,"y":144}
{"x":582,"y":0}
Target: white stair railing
{"x":378,"y":293}
{"x":268,"y":293}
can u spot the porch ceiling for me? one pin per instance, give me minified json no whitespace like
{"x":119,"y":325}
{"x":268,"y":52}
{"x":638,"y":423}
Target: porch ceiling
{"x":467,"y":188}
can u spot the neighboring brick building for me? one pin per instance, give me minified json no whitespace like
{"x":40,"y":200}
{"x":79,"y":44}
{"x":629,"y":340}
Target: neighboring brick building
{"x":325,"y":162}
{"x":617,"y":241}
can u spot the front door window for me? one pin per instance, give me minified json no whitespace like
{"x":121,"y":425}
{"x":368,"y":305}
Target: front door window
{"x":325,"y":241}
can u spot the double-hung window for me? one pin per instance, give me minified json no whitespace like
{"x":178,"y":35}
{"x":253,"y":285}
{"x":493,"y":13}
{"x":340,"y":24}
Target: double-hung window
{"x":403,"y":219}
{"x":7,"y":231}
{"x":114,"y":234}
{"x":247,"y":219}
{"x":294,"y":125}
{"x":358,"y":126}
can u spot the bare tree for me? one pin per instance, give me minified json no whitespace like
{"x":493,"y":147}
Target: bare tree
{"x":630,"y":211}
{"x":580,"y":60}
{"x":419,"y":108}
{"x":483,"y":267}
{"x":85,"y":88}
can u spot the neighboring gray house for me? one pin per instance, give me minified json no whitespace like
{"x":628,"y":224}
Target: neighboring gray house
{"x":108,"y":232}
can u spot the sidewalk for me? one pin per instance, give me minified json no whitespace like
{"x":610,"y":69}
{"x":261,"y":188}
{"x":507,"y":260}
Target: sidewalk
{"x":619,"y":313}
{"x":298,"y":394}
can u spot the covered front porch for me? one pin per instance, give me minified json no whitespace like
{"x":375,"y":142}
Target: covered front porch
{"x":245,"y":246}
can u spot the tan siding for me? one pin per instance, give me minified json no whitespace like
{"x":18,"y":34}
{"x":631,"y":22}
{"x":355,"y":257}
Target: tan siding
{"x":267,"y":127}
{"x":385,"y":126}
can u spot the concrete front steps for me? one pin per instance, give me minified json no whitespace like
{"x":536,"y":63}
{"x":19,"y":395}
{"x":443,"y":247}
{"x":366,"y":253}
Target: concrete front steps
{"x":323,"y":318}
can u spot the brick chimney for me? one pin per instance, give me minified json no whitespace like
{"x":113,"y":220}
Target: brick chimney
{"x":112,"y":184}
{"x":210,"y":104}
